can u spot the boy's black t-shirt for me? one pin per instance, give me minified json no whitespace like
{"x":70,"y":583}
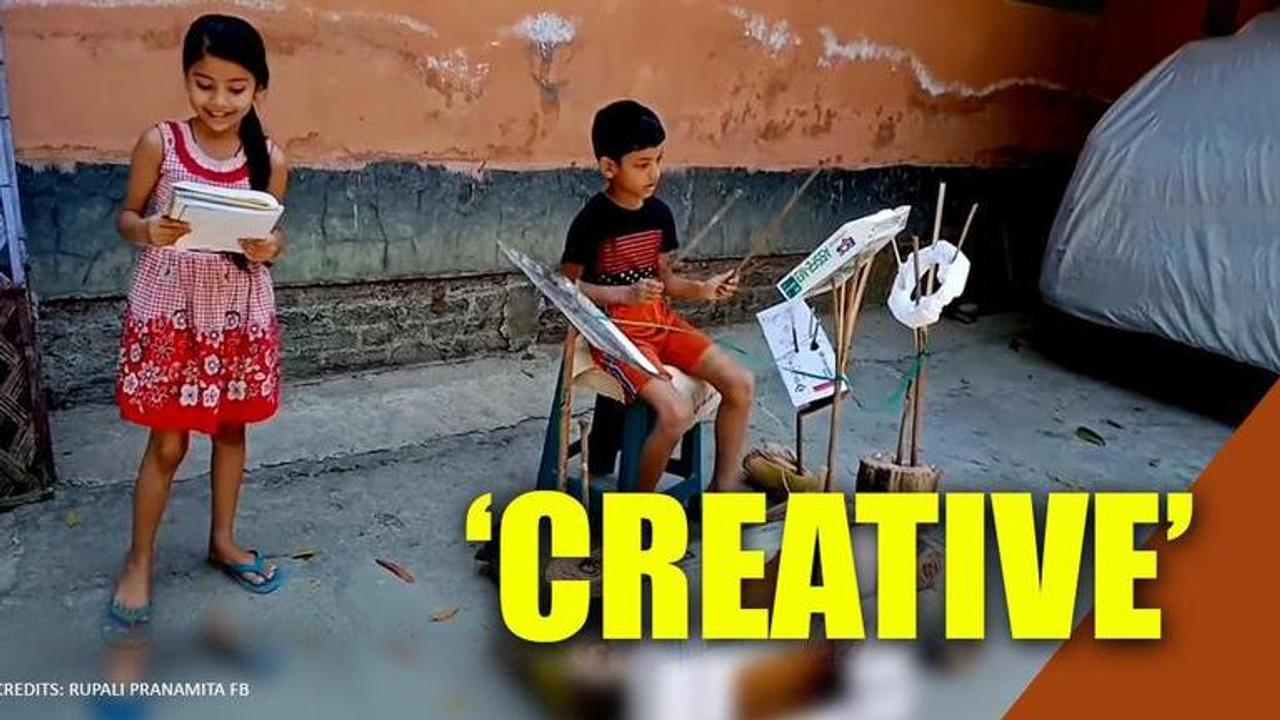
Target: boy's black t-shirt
{"x":617,"y":246}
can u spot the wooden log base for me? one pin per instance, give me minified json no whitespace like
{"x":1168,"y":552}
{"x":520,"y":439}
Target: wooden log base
{"x":879,"y":473}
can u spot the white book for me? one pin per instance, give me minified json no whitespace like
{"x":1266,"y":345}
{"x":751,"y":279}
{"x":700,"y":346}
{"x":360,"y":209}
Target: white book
{"x":220,"y":217}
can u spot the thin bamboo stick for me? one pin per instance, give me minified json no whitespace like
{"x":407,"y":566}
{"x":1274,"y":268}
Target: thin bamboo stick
{"x":775,"y":226}
{"x":965,"y":233}
{"x":706,"y":229}
{"x":838,"y":311}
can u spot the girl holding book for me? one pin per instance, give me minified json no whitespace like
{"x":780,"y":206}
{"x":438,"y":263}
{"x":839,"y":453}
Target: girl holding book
{"x":200,"y":349}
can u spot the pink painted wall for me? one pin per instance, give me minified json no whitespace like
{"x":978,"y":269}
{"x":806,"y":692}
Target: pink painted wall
{"x":513,"y":83}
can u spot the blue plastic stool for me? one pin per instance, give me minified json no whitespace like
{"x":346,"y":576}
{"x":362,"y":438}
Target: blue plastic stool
{"x":637,"y":420}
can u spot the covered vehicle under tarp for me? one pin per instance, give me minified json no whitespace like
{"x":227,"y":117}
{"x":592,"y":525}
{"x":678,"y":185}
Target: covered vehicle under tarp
{"x":1171,"y":223}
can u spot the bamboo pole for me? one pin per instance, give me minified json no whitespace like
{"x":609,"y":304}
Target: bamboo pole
{"x":919,"y":345}
{"x":904,"y":423}
{"x":922,"y":335}
{"x":937,"y":213}
{"x":800,"y":443}
{"x":965,"y":233}
{"x":863,"y":275}
{"x":566,"y":405}
{"x":838,"y":308}
{"x":584,"y":430}
{"x":852,"y":302}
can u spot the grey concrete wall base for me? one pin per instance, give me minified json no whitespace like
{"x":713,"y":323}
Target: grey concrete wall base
{"x":393,"y":220}
{"x":398,"y":264}
{"x":337,"y":328}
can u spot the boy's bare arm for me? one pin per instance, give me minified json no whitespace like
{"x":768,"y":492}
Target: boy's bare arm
{"x":602,"y":295}
{"x":716,"y":287}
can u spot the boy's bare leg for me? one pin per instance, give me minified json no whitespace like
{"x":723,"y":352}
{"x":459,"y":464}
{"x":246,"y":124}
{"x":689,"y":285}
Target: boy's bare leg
{"x":737,"y":387}
{"x":674,"y":416}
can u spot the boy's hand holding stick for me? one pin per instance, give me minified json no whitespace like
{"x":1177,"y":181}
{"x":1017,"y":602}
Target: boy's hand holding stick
{"x":722,"y":286}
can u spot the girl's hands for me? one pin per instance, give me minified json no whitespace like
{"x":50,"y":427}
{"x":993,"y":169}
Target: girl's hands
{"x":163,"y":231}
{"x":262,"y":250}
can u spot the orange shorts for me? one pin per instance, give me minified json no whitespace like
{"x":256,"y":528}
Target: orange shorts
{"x":663,"y":336}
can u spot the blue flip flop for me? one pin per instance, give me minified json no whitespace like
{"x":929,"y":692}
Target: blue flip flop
{"x":239,"y":572}
{"x":124,"y":624}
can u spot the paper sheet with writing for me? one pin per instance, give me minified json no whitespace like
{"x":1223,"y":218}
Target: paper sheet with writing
{"x":839,"y":254}
{"x":801,"y":351}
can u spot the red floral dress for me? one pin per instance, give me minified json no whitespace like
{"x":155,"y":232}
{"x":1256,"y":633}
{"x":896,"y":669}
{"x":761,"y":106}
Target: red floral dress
{"x":200,"y":346}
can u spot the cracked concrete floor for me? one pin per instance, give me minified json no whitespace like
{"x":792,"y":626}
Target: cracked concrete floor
{"x":383,"y":465}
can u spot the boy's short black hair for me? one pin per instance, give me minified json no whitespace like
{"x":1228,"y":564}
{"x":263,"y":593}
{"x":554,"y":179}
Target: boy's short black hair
{"x":625,"y":126}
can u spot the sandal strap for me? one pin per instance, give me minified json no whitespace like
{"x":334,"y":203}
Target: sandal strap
{"x":250,"y":567}
{"x":128,"y":615}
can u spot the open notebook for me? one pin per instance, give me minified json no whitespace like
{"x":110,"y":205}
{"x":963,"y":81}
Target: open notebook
{"x":220,"y":217}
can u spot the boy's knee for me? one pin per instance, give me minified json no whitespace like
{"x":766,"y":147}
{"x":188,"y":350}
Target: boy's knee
{"x":675,"y":417}
{"x":741,"y":387}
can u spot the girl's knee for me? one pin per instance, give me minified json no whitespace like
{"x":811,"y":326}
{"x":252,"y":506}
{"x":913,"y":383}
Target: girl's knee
{"x":229,"y":435}
{"x":168,"y":448}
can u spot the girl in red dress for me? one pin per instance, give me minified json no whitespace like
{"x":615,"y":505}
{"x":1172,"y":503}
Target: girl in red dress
{"x":200,"y":349}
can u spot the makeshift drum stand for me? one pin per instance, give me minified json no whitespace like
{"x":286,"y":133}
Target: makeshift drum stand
{"x":846,"y":303}
{"x":903,"y":471}
{"x":840,"y":265}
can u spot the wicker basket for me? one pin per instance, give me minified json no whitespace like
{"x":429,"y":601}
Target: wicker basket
{"x":26,"y":453}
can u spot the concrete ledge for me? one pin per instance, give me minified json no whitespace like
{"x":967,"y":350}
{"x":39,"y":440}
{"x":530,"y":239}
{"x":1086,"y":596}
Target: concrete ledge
{"x":338,"y":416}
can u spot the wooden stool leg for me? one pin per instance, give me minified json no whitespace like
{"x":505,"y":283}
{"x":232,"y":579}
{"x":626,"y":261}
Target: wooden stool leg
{"x":691,"y":452}
{"x":635,"y":429}
{"x":549,"y":465}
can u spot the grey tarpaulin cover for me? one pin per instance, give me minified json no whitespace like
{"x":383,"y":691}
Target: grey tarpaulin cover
{"x":1171,"y":223}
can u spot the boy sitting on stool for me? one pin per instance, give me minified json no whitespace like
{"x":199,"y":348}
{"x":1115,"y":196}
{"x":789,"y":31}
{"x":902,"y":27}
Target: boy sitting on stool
{"x":620,"y":249}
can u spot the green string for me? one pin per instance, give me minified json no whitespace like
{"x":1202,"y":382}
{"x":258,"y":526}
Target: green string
{"x":900,"y":393}
{"x":894,"y":399}
{"x":731,"y":346}
{"x":803,"y":373}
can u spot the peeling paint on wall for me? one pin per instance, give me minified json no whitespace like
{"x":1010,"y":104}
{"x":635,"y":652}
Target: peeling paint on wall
{"x":864,"y":50}
{"x":456,"y":70}
{"x":334,"y":16}
{"x":514,"y":83}
{"x":546,"y":32}
{"x":405,"y":21}
{"x":264,"y":5}
{"x":775,"y":37}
